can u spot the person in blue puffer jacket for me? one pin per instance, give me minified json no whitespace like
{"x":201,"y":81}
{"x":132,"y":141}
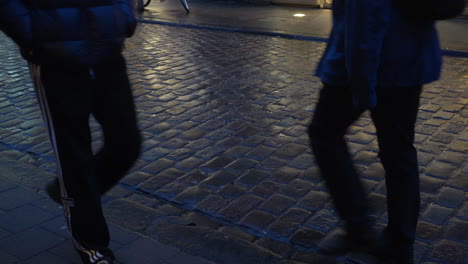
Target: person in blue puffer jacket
{"x":377,"y":60}
{"x":74,"y":50}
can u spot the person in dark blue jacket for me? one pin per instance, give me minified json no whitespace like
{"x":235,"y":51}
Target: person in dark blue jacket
{"x":377,"y":60}
{"x":74,"y":49}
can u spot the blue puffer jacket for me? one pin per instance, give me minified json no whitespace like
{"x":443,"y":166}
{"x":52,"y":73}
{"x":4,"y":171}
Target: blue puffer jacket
{"x":85,"y":32}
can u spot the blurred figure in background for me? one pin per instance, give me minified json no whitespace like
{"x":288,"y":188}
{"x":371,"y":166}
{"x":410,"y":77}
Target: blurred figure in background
{"x":379,"y":55}
{"x":74,"y":52}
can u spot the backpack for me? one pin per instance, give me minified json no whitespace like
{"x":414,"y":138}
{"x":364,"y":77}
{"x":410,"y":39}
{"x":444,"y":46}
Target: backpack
{"x":429,"y":9}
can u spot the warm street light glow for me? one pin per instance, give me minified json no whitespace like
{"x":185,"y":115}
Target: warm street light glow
{"x":299,"y":15}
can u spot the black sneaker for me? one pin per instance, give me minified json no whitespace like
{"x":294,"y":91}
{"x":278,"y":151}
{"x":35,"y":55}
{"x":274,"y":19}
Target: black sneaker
{"x":392,"y":252}
{"x":339,"y":242}
{"x":96,"y":257}
{"x":53,"y":191}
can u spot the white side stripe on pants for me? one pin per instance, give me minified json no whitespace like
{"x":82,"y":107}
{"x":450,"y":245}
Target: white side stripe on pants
{"x":35,"y":71}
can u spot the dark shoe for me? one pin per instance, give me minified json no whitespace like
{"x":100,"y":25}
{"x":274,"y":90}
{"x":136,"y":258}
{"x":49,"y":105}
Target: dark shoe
{"x":389,"y":252}
{"x":396,"y":258}
{"x":96,"y":257}
{"x":339,"y":241}
{"x":53,"y":191}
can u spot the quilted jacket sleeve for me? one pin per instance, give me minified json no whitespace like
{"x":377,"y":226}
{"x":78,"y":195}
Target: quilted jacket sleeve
{"x":15,"y":22}
{"x":127,"y":9}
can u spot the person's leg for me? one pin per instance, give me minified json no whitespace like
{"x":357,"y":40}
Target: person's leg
{"x":68,"y":106}
{"x":395,"y":118}
{"x":115,"y":111}
{"x":333,"y":115}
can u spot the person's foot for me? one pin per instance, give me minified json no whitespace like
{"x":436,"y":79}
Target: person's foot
{"x":395,"y":256}
{"x":53,"y":191}
{"x":96,"y":257}
{"x":339,"y":241}
{"x":389,"y":252}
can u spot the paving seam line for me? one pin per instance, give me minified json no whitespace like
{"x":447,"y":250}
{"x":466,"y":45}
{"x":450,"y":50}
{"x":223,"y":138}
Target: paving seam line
{"x":215,"y":218}
{"x":237,"y":30}
{"x":445,"y":52}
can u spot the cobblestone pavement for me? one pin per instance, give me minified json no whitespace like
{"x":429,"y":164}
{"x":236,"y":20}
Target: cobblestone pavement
{"x":226,"y":171}
{"x":279,"y":20}
{"x":33,"y":229}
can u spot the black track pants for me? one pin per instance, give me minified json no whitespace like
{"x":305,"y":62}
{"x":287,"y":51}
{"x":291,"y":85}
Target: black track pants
{"x":68,"y":96}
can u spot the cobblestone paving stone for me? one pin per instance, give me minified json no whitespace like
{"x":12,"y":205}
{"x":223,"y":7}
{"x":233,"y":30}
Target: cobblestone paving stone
{"x":33,"y":229}
{"x":226,"y":170}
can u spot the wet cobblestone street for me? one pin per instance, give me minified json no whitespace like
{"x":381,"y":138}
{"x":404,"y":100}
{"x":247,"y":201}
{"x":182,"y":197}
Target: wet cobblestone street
{"x":226,"y":171}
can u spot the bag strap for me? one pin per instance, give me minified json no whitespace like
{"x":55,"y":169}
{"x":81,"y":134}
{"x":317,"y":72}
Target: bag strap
{"x":429,"y":9}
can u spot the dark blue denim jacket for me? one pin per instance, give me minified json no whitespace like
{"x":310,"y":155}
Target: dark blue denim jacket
{"x":371,"y":45}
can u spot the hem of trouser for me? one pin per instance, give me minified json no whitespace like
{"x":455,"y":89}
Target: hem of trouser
{"x":67,"y":202}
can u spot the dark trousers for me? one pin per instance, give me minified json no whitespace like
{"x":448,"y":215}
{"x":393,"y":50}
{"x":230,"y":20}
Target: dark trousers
{"x":68,"y":96}
{"x":394,"y":119}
